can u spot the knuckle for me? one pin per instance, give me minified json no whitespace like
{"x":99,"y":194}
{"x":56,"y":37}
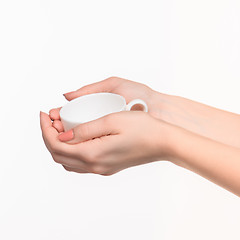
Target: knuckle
{"x":114,"y":121}
{"x":112,"y":78}
{"x":56,"y":159}
{"x":67,"y":169}
{"x":50,"y":112}
{"x":107,"y":174}
{"x":92,"y":157}
{"x":83,"y":131}
{"x":97,"y":169}
{"x":109,"y":119}
{"x":106,"y":120}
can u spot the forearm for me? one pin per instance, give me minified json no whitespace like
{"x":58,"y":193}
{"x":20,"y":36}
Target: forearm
{"x":207,"y":121}
{"x":213,"y":160}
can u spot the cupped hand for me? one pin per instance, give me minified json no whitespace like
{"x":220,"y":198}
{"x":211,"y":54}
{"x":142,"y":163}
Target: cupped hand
{"x":128,"y":89}
{"x":109,"y":144}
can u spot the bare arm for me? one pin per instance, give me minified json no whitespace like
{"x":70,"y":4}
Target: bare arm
{"x":207,"y":121}
{"x":216,"y":124}
{"x":213,"y":160}
{"x":200,"y":138}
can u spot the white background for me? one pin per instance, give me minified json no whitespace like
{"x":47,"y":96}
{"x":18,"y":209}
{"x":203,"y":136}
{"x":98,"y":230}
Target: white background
{"x":185,"y":47}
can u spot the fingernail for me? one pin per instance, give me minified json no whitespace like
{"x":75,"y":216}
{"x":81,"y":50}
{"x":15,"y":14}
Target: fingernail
{"x":68,"y":93}
{"x":66,"y":136}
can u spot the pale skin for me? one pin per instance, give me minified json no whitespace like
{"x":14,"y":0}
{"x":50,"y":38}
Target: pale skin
{"x":192,"y":135}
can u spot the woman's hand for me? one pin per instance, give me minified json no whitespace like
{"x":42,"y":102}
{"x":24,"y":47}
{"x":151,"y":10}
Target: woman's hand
{"x":125,"y":139}
{"x":198,"y":118}
{"x":128,"y":89}
{"x":109,"y":144}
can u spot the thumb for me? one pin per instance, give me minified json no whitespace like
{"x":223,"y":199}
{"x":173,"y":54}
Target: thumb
{"x":87,"y":131}
{"x":102,"y":86}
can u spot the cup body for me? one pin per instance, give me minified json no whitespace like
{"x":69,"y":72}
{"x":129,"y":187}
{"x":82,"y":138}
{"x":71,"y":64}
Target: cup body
{"x":90,"y":107}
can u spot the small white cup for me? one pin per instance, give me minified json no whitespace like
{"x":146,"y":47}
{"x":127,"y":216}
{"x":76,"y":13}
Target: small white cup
{"x":93,"y":106}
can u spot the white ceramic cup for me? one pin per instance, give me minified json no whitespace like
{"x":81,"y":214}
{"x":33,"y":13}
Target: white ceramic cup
{"x":93,"y":106}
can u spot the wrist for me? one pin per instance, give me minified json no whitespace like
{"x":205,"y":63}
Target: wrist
{"x":172,"y":138}
{"x":161,"y":105}
{"x":171,"y":135}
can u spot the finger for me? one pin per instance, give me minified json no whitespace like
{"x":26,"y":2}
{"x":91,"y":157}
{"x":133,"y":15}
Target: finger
{"x":87,"y":131}
{"x":69,"y":169}
{"x":102,"y":86}
{"x":58,"y":125}
{"x":46,"y":125}
{"x":50,"y":136}
{"x":71,"y":162}
{"x":49,"y":133}
{"x":54,"y":113}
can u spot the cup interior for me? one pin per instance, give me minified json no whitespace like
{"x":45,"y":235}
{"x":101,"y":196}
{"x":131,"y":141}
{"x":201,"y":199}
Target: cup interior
{"x":92,"y":106}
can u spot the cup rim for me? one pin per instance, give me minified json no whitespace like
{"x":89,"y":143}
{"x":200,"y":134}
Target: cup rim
{"x":86,"y":96}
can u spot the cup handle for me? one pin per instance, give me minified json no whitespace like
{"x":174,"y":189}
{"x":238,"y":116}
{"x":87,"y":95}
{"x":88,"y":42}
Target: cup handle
{"x":136,"y":102}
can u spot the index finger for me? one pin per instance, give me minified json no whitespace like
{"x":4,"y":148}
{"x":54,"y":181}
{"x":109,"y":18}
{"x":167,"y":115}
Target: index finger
{"x":54,"y":113}
{"x":105,"y":85}
{"x":50,"y":136}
